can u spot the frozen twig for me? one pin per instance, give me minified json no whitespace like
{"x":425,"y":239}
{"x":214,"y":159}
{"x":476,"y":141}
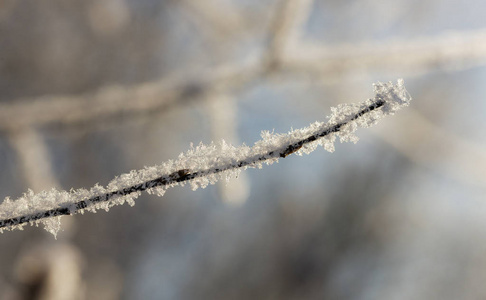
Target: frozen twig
{"x":205,"y":164}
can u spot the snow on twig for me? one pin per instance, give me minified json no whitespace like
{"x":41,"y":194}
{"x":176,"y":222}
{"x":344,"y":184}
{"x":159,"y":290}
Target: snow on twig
{"x":204,"y":164}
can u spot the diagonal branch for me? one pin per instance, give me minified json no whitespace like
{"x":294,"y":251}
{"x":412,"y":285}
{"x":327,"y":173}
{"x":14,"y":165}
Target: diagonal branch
{"x":206,"y":164}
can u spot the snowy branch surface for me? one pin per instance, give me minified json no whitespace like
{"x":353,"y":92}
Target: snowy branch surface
{"x":204,"y":164}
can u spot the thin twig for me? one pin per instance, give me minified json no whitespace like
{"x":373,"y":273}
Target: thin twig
{"x":185,"y":174}
{"x":203,"y":165}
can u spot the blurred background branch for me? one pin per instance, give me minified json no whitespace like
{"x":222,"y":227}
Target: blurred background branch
{"x":455,"y":51}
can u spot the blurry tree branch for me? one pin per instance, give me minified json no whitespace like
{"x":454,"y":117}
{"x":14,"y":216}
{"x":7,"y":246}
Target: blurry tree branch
{"x":222,"y":112}
{"x":219,"y":16}
{"x":451,"y":50}
{"x":447,"y":51}
{"x":284,"y":31}
{"x":438,"y":149}
{"x":34,"y":159}
{"x":118,"y":100}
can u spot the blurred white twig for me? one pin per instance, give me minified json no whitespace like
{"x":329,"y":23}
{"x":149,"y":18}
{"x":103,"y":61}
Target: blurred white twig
{"x":34,"y":158}
{"x":447,"y":51}
{"x":220,"y":16}
{"x":52,"y":271}
{"x":119,"y":100}
{"x":437,"y":149}
{"x":285,"y":29}
{"x":223,"y":119}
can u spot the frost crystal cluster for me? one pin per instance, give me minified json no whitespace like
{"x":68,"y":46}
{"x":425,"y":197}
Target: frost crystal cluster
{"x":204,"y":164}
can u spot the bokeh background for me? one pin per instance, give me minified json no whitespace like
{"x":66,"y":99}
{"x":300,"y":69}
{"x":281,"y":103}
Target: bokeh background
{"x":93,"y":89}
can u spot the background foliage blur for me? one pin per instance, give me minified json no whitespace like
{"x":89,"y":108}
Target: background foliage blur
{"x":92,"y":89}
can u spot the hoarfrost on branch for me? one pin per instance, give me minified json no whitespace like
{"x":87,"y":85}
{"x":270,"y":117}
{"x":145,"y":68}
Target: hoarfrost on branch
{"x":204,"y":164}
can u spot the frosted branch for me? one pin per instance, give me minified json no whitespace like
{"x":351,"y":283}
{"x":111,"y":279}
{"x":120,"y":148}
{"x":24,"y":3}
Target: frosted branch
{"x":205,"y":164}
